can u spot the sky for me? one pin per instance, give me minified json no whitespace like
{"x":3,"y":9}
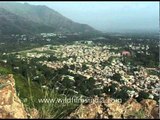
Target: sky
{"x":110,"y":16}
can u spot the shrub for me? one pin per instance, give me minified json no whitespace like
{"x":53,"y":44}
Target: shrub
{"x":117,"y":77}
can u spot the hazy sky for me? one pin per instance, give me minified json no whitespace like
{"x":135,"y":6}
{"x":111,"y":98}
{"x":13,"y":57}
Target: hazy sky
{"x":110,"y":16}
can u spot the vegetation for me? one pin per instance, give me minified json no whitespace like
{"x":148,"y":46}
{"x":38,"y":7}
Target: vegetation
{"x":122,"y":94}
{"x":110,"y":89}
{"x":139,"y":114}
{"x":54,"y":109}
{"x":4,"y":71}
{"x":30,"y":76}
{"x":142,"y":95}
{"x":117,"y":77}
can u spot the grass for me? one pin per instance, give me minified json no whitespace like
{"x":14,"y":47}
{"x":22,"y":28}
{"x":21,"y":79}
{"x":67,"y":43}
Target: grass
{"x":55,"y":110}
{"x":4,"y":71}
{"x":140,"y":114}
{"x":26,"y":90}
{"x":152,"y":72}
{"x":30,"y":92}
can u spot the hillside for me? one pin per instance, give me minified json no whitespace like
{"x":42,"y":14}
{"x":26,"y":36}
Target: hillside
{"x":11,"y":106}
{"x":45,"y":16}
{"x":11,"y":23}
{"x":112,"y":109}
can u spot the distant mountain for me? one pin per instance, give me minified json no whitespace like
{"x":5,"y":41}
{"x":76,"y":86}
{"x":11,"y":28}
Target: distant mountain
{"x":11,"y":24}
{"x":38,"y":16}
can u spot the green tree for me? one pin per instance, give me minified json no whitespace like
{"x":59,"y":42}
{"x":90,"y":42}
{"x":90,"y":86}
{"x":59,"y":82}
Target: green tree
{"x":142,"y":95}
{"x":110,"y":89}
{"x":117,"y":77}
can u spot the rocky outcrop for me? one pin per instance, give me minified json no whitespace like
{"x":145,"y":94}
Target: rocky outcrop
{"x":155,"y":112}
{"x":150,"y":106}
{"x":131,"y":107}
{"x":10,"y":104}
{"x":12,"y":107}
{"x":111,"y":108}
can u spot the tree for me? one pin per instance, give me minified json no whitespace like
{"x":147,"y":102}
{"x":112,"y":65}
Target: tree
{"x":52,"y":58}
{"x":122,"y":94}
{"x":72,"y":67}
{"x":110,"y":89}
{"x":84,"y":67}
{"x":51,"y":47}
{"x":117,"y":77}
{"x":67,"y":82}
{"x":142,"y":95}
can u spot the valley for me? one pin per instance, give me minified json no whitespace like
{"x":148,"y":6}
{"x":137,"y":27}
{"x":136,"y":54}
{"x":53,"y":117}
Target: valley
{"x":53,"y":67}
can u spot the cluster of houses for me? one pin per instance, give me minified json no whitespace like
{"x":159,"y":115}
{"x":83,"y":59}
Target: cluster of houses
{"x":46,"y":35}
{"x":92,"y":56}
{"x":140,"y":48}
{"x":20,"y":37}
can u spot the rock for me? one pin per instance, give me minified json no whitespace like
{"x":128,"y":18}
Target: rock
{"x":34,"y":113}
{"x":88,"y":111}
{"x":148,"y":105}
{"x":155,"y":112}
{"x":10,"y":105}
{"x":115,"y":109}
{"x":111,"y":109}
{"x":131,"y":106}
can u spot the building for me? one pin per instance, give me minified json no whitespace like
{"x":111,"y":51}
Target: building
{"x":126,"y":53}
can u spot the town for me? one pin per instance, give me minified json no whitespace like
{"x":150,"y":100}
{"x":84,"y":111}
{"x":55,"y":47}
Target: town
{"x":101,"y":62}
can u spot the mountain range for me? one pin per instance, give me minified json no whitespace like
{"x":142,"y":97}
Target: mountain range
{"x":25,"y":18}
